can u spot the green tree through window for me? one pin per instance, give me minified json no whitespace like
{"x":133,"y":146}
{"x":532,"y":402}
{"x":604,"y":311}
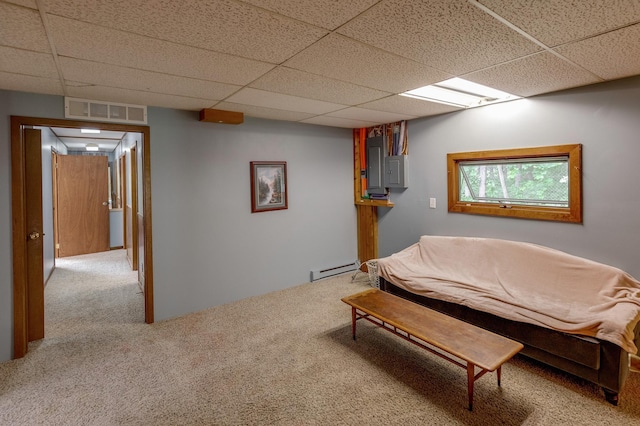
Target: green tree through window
{"x":535,"y":183}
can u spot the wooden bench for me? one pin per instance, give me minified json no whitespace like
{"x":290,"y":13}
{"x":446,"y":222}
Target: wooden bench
{"x":430,"y":329}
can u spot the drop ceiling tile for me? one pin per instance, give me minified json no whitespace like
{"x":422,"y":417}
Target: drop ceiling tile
{"x":328,"y":14}
{"x":99,"y":44}
{"x":26,"y":3}
{"x":31,"y":84}
{"x":102,"y":93}
{"x":610,"y":56}
{"x":225,"y":26}
{"x":554,"y":22}
{"x":22,"y":28}
{"x":324,"y":120}
{"x":129,"y":78}
{"x":261,"y":98}
{"x":306,"y":85}
{"x":363,"y":114}
{"x":409,"y":106}
{"x":27,"y":62}
{"x":263,"y":112}
{"x":536,"y":74}
{"x":452,"y":36}
{"x":343,"y":59}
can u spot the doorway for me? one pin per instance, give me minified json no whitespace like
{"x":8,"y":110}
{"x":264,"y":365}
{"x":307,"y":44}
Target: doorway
{"x":27,"y":315}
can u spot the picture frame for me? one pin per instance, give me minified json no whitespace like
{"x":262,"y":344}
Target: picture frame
{"x":269,"y":189}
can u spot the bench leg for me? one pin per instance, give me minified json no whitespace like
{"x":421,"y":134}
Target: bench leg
{"x":353,"y":322}
{"x":470,"y":380}
{"x":499,"y":373}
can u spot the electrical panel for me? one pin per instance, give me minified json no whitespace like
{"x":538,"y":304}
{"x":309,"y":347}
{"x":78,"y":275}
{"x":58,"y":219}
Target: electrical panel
{"x":396,"y":171}
{"x":376,"y":153}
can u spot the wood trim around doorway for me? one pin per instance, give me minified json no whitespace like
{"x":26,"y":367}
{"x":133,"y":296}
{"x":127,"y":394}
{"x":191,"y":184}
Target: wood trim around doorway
{"x":18,"y":210}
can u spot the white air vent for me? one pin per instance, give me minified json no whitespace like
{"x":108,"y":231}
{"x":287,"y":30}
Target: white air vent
{"x":318,"y":274}
{"x":85,"y":109}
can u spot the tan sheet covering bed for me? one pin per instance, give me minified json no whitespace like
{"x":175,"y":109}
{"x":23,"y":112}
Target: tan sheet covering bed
{"x":522,"y":282}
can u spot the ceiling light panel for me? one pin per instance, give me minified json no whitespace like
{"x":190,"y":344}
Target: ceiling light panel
{"x":459,"y":92}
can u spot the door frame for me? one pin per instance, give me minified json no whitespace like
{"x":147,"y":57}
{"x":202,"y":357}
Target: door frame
{"x":19,"y":215}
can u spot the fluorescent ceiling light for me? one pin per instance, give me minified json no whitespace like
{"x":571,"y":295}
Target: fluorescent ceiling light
{"x":92,"y":147}
{"x":460,"y":93}
{"x":89,"y":131}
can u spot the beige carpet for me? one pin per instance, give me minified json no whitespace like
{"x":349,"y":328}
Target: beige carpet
{"x":285,"y":358}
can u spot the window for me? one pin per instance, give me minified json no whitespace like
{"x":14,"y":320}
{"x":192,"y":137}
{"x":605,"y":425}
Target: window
{"x":534,"y":183}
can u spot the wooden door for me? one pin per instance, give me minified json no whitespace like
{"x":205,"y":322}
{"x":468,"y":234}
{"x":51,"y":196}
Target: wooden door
{"x":35,"y":268}
{"x":83,"y":204}
{"x":131,"y":209}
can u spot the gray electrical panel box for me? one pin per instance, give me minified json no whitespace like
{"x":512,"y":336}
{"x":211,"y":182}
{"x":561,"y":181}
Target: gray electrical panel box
{"x":396,"y":170}
{"x":376,"y":153}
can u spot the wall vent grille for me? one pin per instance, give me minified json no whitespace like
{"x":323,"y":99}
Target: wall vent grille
{"x":85,"y":109}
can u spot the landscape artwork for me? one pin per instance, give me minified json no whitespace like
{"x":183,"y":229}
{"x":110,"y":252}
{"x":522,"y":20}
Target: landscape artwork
{"x":268,"y":186}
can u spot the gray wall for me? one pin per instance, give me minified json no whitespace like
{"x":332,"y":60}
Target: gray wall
{"x":604,"y":118}
{"x":208,"y":247}
{"x":14,"y":103}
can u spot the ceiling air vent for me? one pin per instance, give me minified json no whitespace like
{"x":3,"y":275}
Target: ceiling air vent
{"x":84,"y":109}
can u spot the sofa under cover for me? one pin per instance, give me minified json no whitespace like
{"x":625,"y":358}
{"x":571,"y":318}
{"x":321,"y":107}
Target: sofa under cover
{"x":575,"y":314}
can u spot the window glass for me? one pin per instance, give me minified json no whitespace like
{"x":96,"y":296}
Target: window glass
{"x":534,"y":183}
{"x":542,"y":182}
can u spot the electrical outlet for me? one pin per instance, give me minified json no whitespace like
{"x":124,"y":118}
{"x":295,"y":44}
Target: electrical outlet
{"x":432,"y":203}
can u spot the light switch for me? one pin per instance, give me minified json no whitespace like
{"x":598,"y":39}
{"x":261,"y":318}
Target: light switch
{"x":432,"y":203}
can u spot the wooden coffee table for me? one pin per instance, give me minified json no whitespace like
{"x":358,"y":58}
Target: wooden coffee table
{"x":435,"y":332}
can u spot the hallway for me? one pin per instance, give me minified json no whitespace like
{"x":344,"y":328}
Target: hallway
{"x":91,"y":294}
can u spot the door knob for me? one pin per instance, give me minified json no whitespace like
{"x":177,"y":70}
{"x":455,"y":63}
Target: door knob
{"x":34,"y":235}
{"x":105,"y":203}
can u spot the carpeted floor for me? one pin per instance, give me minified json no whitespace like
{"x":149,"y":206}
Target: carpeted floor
{"x":284,"y":358}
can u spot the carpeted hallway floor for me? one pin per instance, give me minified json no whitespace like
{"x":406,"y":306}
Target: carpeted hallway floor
{"x":284,"y":358}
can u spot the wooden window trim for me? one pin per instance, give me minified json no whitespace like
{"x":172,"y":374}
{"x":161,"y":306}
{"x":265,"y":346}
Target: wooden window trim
{"x":571,"y":214}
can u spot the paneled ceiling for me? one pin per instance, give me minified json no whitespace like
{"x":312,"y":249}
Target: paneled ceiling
{"x":327,"y":62}
{"x":75,"y":140}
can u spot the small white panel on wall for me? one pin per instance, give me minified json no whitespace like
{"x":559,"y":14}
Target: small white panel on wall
{"x":85,"y":109}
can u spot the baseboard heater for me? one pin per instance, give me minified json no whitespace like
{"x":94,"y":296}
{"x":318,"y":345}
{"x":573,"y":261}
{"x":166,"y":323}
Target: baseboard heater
{"x":318,"y":274}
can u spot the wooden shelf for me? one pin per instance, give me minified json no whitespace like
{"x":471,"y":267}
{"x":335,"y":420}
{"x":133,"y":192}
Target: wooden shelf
{"x":377,"y":203}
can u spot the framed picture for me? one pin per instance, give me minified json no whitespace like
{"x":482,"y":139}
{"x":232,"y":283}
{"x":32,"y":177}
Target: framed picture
{"x":268,"y":186}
